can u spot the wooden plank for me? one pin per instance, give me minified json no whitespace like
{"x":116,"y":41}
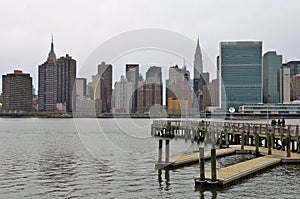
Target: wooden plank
{"x":194,"y":157}
{"x":237,"y":171}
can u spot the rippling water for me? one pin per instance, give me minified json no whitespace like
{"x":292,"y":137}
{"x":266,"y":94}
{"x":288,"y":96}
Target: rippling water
{"x":112,"y":158}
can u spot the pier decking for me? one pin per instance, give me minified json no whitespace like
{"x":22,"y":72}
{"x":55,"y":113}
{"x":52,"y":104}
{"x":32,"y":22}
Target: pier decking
{"x":277,"y":144}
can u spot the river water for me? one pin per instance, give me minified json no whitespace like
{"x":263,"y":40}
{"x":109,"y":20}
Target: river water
{"x":113,"y":158}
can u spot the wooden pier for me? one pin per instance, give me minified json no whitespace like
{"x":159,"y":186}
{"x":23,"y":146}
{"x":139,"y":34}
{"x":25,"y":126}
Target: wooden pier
{"x":277,"y":145}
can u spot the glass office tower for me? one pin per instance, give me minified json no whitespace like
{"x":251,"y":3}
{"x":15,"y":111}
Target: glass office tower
{"x":240,"y":73}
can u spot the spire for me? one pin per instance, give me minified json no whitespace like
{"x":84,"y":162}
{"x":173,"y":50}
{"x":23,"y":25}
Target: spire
{"x":51,"y":55}
{"x":198,"y":65}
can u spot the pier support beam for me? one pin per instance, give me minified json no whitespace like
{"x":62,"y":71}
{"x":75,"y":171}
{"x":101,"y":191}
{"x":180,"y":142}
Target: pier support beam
{"x":213,"y":165}
{"x":288,"y":145}
{"x":160,"y":143}
{"x":167,"y":151}
{"x":257,"y":144}
{"x":227,"y":139}
{"x":298,"y":144}
{"x":269,"y":143}
{"x":243,"y":140}
{"x":201,"y":163}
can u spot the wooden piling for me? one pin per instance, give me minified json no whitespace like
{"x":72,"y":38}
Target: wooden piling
{"x":269,"y":143}
{"x":167,"y":158}
{"x":226,"y":138}
{"x":201,"y":163}
{"x":243,"y":140}
{"x":160,"y":143}
{"x":288,"y":144}
{"x":298,"y":144}
{"x":256,"y":144}
{"x":213,"y":165}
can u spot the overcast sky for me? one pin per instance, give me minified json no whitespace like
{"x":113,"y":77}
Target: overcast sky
{"x":79,"y":27}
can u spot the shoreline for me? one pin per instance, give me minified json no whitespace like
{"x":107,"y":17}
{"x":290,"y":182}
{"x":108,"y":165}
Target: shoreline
{"x":227,"y":116}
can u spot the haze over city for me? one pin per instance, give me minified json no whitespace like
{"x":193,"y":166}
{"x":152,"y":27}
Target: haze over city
{"x":80,"y":27}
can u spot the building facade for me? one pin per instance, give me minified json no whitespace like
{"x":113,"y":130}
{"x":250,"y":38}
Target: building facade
{"x":294,"y":67}
{"x":105,"y":73}
{"x":295,"y":87}
{"x":284,"y":85}
{"x":132,"y":75}
{"x":17,"y":92}
{"x":271,"y":65}
{"x":123,"y":96}
{"x":240,"y":73}
{"x":149,"y":94}
{"x":80,"y":87}
{"x":66,"y":75}
{"x":47,"y":83}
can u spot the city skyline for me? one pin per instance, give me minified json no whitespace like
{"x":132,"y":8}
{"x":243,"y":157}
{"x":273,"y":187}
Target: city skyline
{"x":25,"y":38}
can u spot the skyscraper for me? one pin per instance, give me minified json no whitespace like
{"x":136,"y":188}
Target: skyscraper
{"x":105,"y":72}
{"x":198,"y":77}
{"x":240,"y":73}
{"x":295,"y":83}
{"x":47,"y":83}
{"x":17,"y":92}
{"x":271,"y":65}
{"x":80,"y":87}
{"x":66,"y":75}
{"x":150,"y":91}
{"x":198,"y":65}
{"x":123,"y":96}
{"x":132,"y":75}
{"x":294,"y":67}
{"x":284,"y":85}
{"x":154,"y":76}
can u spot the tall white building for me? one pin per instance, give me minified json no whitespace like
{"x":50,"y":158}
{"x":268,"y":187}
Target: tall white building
{"x":80,"y":87}
{"x":123,"y":95}
{"x":285,"y":85}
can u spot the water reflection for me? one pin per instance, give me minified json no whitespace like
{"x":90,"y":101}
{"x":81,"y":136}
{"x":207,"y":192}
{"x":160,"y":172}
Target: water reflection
{"x":203,"y":190}
{"x":166,"y":180}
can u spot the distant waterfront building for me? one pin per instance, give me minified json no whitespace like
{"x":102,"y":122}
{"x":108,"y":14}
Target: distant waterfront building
{"x":271,"y":65}
{"x":91,"y":88}
{"x":149,"y":94}
{"x":294,"y":67}
{"x":200,"y":79}
{"x":240,"y":73}
{"x":295,"y":87}
{"x":66,"y":75}
{"x":105,"y":72}
{"x":178,"y":88}
{"x":17,"y":92}
{"x":80,"y":87}
{"x":154,"y":76}
{"x":123,"y":96}
{"x":132,"y":75}
{"x":47,"y":83}
{"x":198,"y":64}
{"x":284,"y":85}
{"x":154,"y":71}
{"x":211,"y":94}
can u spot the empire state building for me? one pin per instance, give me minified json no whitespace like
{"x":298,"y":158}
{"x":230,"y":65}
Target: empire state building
{"x":47,"y":83}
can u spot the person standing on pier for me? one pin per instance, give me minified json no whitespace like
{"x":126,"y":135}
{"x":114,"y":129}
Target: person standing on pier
{"x":283,"y":122}
{"x":273,"y":122}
